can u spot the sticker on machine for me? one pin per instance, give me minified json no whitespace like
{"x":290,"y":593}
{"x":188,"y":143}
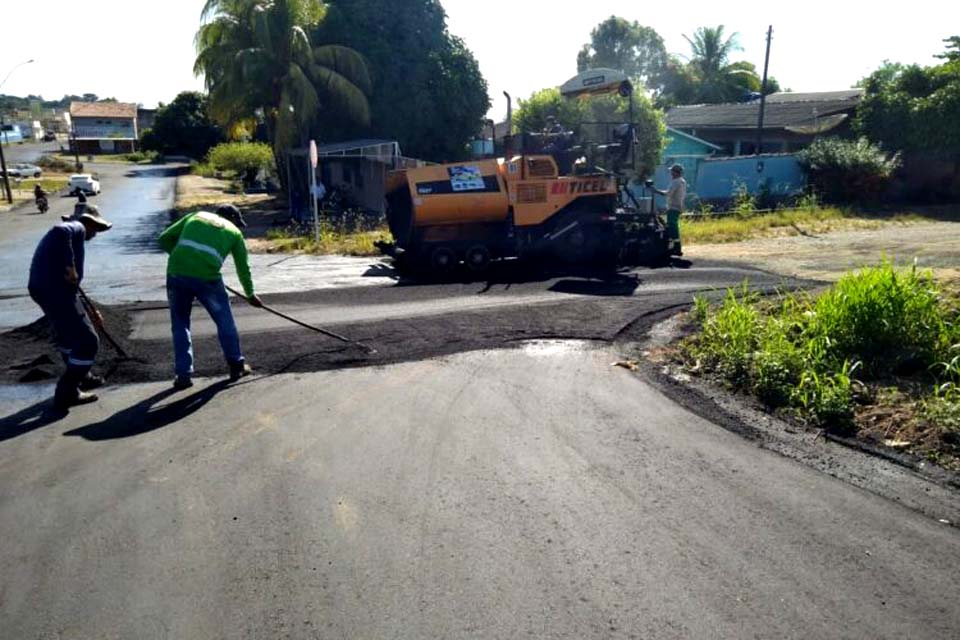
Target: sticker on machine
{"x":466,"y":178}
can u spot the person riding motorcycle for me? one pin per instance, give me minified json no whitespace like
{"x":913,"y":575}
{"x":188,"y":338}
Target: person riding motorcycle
{"x":40,"y":198}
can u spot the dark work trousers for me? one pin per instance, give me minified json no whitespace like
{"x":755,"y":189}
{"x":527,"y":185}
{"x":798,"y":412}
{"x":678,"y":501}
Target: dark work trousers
{"x":73,"y":335}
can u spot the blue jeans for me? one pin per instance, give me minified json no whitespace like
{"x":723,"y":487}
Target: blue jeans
{"x":181,"y":292}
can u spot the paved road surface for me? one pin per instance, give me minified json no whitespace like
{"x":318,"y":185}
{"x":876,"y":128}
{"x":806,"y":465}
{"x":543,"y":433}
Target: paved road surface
{"x":526,"y":493}
{"x":125,"y":265}
{"x":534,"y":492}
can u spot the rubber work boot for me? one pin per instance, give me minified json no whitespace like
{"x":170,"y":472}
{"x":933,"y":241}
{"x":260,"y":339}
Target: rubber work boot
{"x":239,"y":370}
{"x":82,"y":397}
{"x":91,"y":382}
{"x":182,"y":382}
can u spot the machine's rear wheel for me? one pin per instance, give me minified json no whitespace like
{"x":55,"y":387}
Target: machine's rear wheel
{"x":478,"y":258}
{"x":443,"y":259}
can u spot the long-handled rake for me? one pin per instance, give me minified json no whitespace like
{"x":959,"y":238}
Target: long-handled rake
{"x":326,"y":332}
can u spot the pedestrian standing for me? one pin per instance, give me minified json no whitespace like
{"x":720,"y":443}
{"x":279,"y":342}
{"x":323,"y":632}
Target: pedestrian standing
{"x":676,"y":195}
{"x":198,"y":244}
{"x":55,"y":276}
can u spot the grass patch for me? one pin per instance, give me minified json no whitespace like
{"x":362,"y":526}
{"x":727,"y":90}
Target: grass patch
{"x":203,"y":169}
{"x":816,"y":219}
{"x":348,"y":243}
{"x":50,"y":184}
{"x":828,"y":358}
{"x":137,"y":157}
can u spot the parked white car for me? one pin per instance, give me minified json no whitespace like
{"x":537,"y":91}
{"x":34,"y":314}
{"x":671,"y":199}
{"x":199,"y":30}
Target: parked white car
{"x":24,"y":170}
{"x":83,"y":182}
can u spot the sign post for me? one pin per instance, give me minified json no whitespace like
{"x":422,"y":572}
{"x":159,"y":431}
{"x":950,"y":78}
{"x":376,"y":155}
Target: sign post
{"x":313,"y":190}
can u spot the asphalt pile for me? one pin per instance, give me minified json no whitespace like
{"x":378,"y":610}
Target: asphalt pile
{"x":30,"y":356}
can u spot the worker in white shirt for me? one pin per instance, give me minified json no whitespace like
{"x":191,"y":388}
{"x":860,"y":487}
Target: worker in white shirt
{"x":676,"y":194}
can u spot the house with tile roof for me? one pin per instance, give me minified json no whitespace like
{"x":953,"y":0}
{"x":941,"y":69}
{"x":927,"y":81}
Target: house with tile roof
{"x":791,"y":121}
{"x":104,"y":127}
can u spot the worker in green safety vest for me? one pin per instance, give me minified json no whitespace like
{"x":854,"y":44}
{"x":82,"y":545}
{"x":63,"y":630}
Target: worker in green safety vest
{"x":198,"y":244}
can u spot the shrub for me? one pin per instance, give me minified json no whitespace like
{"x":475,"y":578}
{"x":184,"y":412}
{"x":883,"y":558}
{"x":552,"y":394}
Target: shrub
{"x":55,"y":163}
{"x":847,"y":171}
{"x":245,"y":159}
{"x":142,"y":156}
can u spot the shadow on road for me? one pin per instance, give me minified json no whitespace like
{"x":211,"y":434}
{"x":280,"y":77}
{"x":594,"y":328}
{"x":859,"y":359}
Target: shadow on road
{"x":143,"y":417}
{"x":30,"y":419}
{"x":617,"y":285}
{"x":141,"y":237}
{"x":156,"y":172}
{"x":514,"y":272}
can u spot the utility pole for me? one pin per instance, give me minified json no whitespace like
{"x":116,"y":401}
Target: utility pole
{"x":3,"y":161}
{"x":3,"y":165}
{"x":76,"y":145}
{"x":763,"y":93}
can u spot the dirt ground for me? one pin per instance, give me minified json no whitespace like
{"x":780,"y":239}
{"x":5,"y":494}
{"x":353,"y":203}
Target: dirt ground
{"x":827,"y":257}
{"x":197,"y":191}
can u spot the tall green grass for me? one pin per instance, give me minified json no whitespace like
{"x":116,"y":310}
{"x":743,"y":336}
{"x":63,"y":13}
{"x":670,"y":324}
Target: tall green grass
{"x":809,"y":217}
{"x":808,"y":352}
{"x":332,"y":242}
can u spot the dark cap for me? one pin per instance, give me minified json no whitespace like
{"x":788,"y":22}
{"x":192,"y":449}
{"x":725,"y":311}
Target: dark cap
{"x":231,"y":213}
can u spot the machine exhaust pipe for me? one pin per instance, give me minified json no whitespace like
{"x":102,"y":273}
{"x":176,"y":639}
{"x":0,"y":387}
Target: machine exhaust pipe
{"x":508,"y":140}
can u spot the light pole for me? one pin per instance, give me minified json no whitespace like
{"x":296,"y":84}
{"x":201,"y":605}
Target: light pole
{"x":3,"y":161}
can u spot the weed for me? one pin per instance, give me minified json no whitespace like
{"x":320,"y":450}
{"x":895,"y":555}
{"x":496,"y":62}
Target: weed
{"x":804,"y":351}
{"x":744,"y":204}
{"x":203,"y":169}
{"x":300,"y":238}
{"x":701,"y":309}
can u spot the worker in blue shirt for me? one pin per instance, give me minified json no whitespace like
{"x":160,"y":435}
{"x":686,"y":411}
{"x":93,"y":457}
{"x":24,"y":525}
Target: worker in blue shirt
{"x":55,"y":276}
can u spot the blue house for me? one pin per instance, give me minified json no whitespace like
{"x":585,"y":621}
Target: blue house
{"x":687,"y":151}
{"x":11,"y":133}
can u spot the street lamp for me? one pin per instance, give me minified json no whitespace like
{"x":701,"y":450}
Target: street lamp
{"x":3,"y":161}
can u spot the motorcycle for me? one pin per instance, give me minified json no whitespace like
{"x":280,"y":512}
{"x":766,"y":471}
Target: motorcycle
{"x":42,"y":204}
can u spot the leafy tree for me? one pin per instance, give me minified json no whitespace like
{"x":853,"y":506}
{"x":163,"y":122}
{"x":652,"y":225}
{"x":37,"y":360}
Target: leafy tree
{"x":258,"y":60}
{"x":649,"y":127}
{"x":680,"y":84}
{"x":428,"y":92}
{"x":630,"y":47}
{"x":887,"y":72}
{"x":532,"y":113}
{"x":953,"y":49}
{"x":183,"y":126}
{"x":913,"y":109}
{"x":718,"y":80}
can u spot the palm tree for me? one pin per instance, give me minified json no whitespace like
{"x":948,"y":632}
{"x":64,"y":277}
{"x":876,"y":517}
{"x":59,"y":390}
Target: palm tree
{"x":257,"y":61}
{"x":719,"y":80}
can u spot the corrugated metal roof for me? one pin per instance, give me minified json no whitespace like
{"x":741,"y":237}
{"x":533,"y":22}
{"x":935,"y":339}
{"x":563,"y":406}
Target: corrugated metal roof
{"x":782,"y":110}
{"x":351,"y":145}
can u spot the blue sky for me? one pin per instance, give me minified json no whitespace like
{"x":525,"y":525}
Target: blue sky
{"x":141,"y":51}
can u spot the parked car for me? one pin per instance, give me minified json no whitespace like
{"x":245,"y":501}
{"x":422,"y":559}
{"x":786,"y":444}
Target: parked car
{"x":24,"y":170}
{"x":49,"y":136}
{"x":83,"y":182}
